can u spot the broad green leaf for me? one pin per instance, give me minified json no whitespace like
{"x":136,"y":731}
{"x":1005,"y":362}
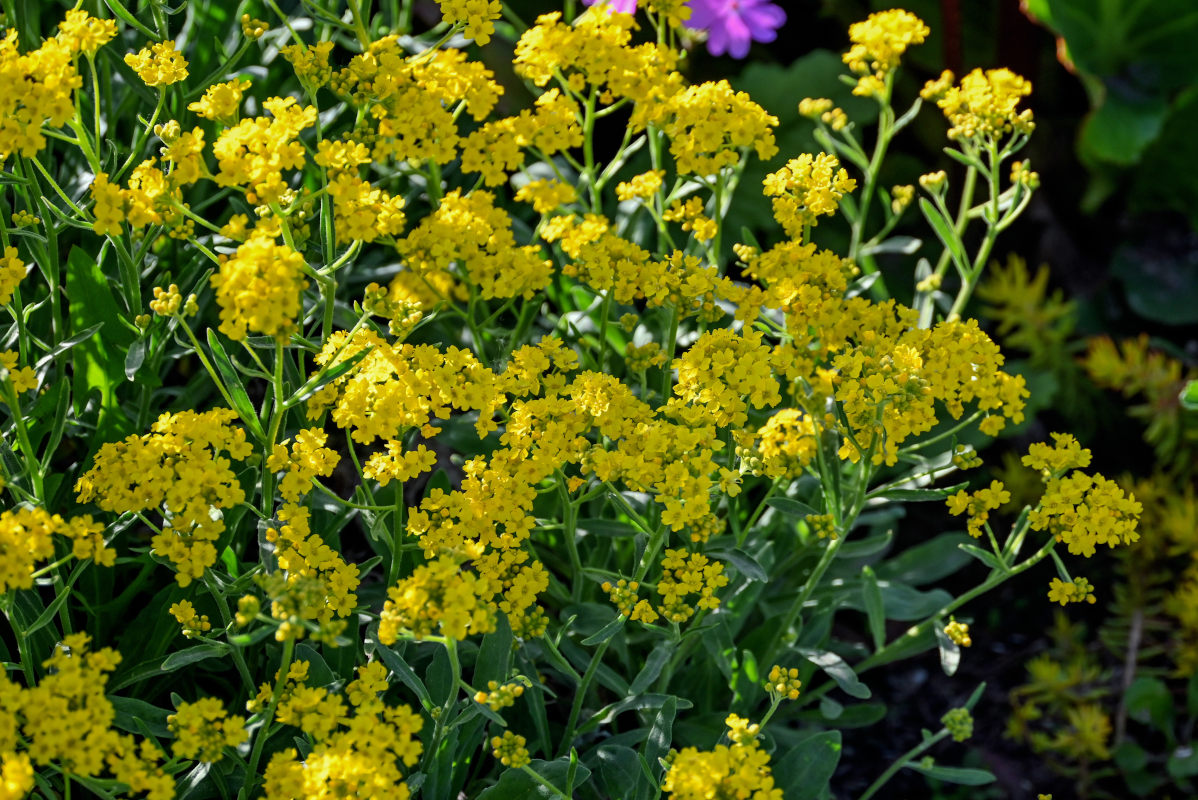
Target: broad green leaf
{"x":927,"y":562}
{"x":494,"y":655}
{"x":606,"y":632}
{"x":661,"y":735}
{"x":619,"y":772}
{"x":392,"y":661}
{"x":804,"y":771}
{"x":944,"y":231}
{"x":191,"y":655}
{"x":950,"y":651}
{"x":516,"y":784}
{"x":875,"y":607}
{"x":745,"y":564}
{"x":133,"y":715}
{"x":791,"y":507}
{"x":653,"y":665}
{"x":236,"y":389}
{"x":837,"y":670}
{"x":917,"y":495}
{"x":962,"y":775}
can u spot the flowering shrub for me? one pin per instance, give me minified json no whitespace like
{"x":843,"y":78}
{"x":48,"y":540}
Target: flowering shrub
{"x":459,"y":457}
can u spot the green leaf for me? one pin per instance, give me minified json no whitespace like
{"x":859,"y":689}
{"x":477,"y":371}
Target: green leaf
{"x":99,"y":359}
{"x":232,"y":381}
{"x":875,"y":608}
{"x":791,"y":507}
{"x":907,"y":245}
{"x":866,"y":547}
{"x":804,"y":772}
{"x":927,"y":562}
{"x":324,"y":378}
{"x":962,"y":775}
{"x":917,"y":495}
{"x":606,"y":632}
{"x":67,"y":344}
{"x":944,"y":231}
{"x":1189,"y":396}
{"x":494,"y":654}
{"x":135,"y":358}
{"x":639,"y":703}
{"x":661,"y":735}
{"x":133,"y":715}
{"x":607,"y":527}
{"x":319,"y":673}
{"x":619,"y":772}
{"x":439,"y":677}
{"x":1183,"y":762}
{"x":983,"y":555}
{"x":392,"y":661}
{"x":745,"y":564}
{"x":838,"y":670}
{"x":120,"y":11}
{"x":1121,"y":129}
{"x":653,"y":665}
{"x":1149,"y":701}
{"x":191,"y":655}
{"x":515,"y":784}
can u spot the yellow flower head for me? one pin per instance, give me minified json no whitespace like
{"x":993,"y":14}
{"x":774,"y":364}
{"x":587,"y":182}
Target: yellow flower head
{"x":158,"y":65}
{"x":260,"y":289}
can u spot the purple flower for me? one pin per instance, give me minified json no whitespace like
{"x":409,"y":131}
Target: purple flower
{"x":732,"y":25}
{"x":618,"y":6}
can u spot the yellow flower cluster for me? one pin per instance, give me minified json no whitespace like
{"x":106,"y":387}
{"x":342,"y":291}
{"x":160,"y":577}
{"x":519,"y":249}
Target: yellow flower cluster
{"x":27,"y":538}
{"x":979,"y":505}
{"x":67,"y":720}
{"x":438,"y":598}
{"x":203,"y":729}
{"x":546,"y":196}
{"x":878,"y":46}
{"x":597,"y":50}
{"x":356,"y":755}
{"x":984,"y":105}
{"x":477,"y":17}
{"x":823,"y":110}
{"x":315,"y":586}
{"x":685,"y":574}
{"x":510,"y":750}
{"x":253,"y":154}
{"x":691,"y":215}
{"x":161,"y":64}
{"x":260,"y":289}
{"x":807,"y":188}
{"x":47,"y":78}
{"x":721,"y":376}
{"x":739,"y":770}
{"x":497,"y":148}
{"x":311,"y":63}
{"x":362,"y":212}
{"x":623,"y":594}
{"x":221,"y":102}
{"x":784,"y":682}
{"x":12,"y":271}
{"x":1078,"y":509}
{"x":958,"y":632}
{"x":1084,"y":511}
{"x":709,"y":124}
{"x":642,"y":186}
{"x":499,"y":696}
{"x":305,"y":459}
{"x":469,"y":235}
{"x":1077,"y":590}
{"x":193,"y":623}
{"x":178,"y":468}
{"x":23,"y":379}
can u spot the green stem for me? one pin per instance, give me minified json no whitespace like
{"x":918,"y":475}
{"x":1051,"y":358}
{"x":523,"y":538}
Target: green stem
{"x":580,"y":694}
{"x":251,"y":775}
{"x":900,"y":762}
{"x":227,"y":619}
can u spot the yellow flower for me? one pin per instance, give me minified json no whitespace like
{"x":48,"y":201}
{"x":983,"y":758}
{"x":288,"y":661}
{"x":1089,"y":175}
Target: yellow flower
{"x":641,"y":186}
{"x":193,"y":624}
{"x":221,"y":101}
{"x":807,"y":188}
{"x":880,"y":41}
{"x":12,"y":271}
{"x":984,"y":104}
{"x":1076,"y":591}
{"x":203,"y":729}
{"x":784,"y":682}
{"x":477,"y":17}
{"x":510,"y":750}
{"x":260,"y":289}
{"x":85,"y":33}
{"x":161,"y":64}
{"x":438,"y":597}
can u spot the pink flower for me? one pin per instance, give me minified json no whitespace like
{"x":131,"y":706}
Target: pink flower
{"x":732,"y":25}
{"x":618,"y":6}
